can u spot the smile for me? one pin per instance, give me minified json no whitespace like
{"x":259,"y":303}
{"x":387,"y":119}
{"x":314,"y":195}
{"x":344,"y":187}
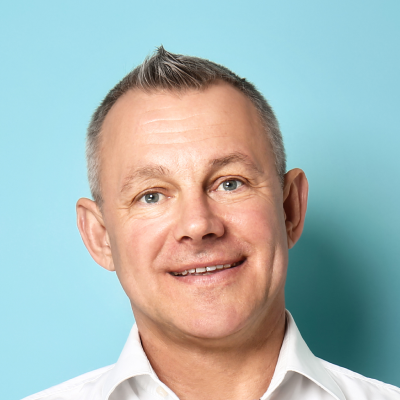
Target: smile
{"x":207,"y":270}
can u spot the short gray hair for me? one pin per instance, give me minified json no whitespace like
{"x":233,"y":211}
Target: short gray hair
{"x":168,"y":71}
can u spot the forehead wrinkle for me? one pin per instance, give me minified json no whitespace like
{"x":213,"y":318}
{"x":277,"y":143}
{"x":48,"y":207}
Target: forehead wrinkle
{"x":171,"y":112}
{"x":158,"y":131}
{"x":146,"y":172}
{"x":182,"y":141}
{"x":168,"y":119}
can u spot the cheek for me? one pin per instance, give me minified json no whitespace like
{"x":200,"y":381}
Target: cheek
{"x":136,"y":245}
{"x":142,"y":238}
{"x":261,"y":226}
{"x":256,"y":222}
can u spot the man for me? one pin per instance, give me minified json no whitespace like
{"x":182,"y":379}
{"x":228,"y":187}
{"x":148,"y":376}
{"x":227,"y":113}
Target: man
{"x":194,"y":210}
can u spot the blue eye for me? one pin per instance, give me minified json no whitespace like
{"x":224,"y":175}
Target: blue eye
{"x":230,"y":185}
{"x":151,"y":198}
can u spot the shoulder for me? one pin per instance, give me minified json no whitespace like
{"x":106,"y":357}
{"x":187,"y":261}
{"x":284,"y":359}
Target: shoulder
{"x":358,"y":387}
{"x":82,"y":387}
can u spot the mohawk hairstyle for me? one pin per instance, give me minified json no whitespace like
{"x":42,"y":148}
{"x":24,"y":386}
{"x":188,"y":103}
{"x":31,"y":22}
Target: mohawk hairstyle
{"x":175,"y":72}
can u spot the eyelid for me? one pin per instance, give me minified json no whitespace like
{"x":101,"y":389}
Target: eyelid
{"x":233,"y":178}
{"x":141,"y":195}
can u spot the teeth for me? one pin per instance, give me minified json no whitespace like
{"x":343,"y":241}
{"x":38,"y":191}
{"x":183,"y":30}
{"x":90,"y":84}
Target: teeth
{"x":203,"y":270}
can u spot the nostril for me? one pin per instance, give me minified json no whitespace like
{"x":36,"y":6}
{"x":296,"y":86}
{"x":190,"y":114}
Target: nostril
{"x":198,"y":227}
{"x":209,"y":236}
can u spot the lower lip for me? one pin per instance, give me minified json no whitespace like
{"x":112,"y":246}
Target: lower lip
{"x":216,"y":277}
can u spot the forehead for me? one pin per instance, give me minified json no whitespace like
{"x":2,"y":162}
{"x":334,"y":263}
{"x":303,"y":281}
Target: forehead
{"x":173,"y":127}
{"x":144,"y":113}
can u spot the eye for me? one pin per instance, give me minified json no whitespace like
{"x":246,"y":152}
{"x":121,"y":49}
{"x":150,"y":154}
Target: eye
{"x":151,"y":198}
{"x":230,"y":185}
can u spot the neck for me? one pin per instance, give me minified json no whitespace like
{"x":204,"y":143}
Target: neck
{"x":239,"y":370}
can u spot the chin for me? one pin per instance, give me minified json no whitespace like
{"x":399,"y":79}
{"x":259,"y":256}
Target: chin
{"x":215,"y":326}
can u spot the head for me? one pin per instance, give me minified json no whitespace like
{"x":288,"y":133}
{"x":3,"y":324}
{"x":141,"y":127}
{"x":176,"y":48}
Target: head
{"x":177,"y":73}
{"x":192,"y":207}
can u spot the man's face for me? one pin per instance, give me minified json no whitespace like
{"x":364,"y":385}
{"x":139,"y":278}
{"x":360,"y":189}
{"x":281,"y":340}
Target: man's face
{"x":189,"y":181}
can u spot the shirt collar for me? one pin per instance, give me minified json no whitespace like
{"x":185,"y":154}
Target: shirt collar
{"x":294,"y":356}
{"x":297,"y":357}
{"x":132,"y":362}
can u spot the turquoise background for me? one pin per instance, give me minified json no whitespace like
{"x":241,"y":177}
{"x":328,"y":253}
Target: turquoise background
{"x":331,"y":71}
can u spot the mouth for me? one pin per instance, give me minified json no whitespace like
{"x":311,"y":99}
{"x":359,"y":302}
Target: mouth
{"x":209,"y":270}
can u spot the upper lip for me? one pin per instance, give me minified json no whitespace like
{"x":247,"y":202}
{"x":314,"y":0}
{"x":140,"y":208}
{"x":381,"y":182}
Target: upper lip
{"x":208,"y":264}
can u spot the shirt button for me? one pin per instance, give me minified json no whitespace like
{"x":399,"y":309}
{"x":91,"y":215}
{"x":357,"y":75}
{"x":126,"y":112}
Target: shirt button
{"x":161,"y":391}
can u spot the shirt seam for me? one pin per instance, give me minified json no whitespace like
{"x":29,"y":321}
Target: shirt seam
{"x":319,"y":384}
{"x":65,"y":386}
{"x":355,"y":375}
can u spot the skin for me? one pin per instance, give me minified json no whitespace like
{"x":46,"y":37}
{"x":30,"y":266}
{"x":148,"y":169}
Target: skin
{"x":216,"y":336}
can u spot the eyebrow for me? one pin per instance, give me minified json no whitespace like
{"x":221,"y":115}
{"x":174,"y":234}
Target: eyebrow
{"x":157,"y":171}
{"x":146,"y":172}
{"x":236,"y":157}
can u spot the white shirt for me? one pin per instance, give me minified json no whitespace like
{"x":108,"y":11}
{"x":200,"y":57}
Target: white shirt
{"x":298,"y":375}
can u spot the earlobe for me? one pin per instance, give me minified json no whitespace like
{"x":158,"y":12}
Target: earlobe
{"x":93,"y":232}
{"x":295,"y":194}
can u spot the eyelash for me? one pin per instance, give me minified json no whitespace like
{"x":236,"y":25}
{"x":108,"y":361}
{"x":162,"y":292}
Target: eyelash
{"x":150,"y":191}
{"x":232,"y":179}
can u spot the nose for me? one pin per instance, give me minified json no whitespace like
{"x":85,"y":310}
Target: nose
{"x":197,"y":221}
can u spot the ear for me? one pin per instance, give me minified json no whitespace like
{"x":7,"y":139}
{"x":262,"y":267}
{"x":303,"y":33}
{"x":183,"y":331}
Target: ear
{"x":295,"y":193}
{"x":94,"y":234}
